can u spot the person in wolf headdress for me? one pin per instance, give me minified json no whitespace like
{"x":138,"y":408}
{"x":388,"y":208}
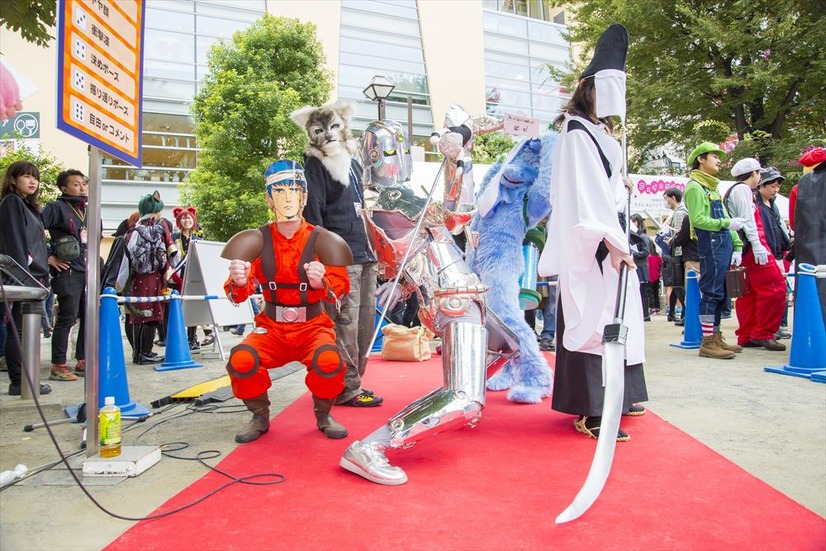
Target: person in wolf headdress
{"x":334,"y":201}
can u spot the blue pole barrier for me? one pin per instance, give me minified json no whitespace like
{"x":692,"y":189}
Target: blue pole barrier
{"x":693,"y":336}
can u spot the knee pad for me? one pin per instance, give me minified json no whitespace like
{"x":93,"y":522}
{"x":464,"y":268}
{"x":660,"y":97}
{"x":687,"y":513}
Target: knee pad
{"x":325,"y":376}
{"x":243,"y":361}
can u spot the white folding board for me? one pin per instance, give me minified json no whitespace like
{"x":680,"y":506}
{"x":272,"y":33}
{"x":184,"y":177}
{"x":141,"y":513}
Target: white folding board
{"x":205,"y":274}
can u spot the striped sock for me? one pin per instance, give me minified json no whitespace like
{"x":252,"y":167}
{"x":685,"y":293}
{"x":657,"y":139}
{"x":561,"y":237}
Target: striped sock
{"x":708,"y":329}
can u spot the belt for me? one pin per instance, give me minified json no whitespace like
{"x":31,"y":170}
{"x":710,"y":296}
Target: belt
{"x":293,"y":314}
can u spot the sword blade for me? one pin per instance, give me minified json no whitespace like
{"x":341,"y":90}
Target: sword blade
{"x":613,"y":365}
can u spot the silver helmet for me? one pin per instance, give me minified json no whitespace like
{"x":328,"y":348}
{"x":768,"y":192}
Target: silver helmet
{"x":385,"y":154}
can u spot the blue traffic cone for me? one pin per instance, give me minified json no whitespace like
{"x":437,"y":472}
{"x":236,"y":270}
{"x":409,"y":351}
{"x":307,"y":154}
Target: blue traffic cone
{"x":177,"y":345}
{"x":380,"y":335}
{"x":808,"y":354}
{"x":112,"y":380}
{"x":693,"y":335}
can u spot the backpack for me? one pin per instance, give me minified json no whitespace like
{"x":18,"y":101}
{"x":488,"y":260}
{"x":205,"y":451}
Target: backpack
{"x":146,"y":248}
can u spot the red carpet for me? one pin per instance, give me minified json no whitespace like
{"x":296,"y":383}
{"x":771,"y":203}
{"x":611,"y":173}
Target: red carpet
{"x":498,"y":486}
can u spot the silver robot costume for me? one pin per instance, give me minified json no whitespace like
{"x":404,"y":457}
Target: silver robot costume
{"x":414,"y":242}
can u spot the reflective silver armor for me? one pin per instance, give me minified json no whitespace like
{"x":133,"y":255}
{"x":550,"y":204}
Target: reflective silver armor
{"x":414,"y":243}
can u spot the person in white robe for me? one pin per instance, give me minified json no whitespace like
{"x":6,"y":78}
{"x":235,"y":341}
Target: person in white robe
{"x":587,"y":247}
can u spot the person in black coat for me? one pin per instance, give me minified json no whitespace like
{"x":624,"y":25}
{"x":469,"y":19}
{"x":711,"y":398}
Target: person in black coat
{"x":23,"y":238}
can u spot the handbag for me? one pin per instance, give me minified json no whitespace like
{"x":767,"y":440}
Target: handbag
{"x":737,"y":284}
{"x":405,"y":344}
{"x":66,"y":248}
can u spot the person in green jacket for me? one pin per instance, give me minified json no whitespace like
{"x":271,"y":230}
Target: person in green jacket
{"x":717,"y":243}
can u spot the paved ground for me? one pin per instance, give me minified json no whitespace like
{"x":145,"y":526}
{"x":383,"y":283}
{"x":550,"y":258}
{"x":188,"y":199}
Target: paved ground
{"x":771,"y":425}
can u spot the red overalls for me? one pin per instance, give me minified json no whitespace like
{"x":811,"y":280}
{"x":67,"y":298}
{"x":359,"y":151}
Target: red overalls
{"x":275,"y":343}
{"x":760,"y":310}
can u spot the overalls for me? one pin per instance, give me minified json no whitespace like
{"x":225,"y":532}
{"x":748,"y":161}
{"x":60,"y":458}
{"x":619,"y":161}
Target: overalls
{"x":715,"y":249}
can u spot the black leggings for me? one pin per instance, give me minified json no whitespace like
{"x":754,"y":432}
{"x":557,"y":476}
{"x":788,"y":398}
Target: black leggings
{"x":677,"y":294}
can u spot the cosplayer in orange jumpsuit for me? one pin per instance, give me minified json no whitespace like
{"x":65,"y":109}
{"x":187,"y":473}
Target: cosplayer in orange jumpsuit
{"x":298,"y":266}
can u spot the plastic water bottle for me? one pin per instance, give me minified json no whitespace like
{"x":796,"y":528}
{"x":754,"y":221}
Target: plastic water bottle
{"x":109,"y":428}
{"x":7,"y":477}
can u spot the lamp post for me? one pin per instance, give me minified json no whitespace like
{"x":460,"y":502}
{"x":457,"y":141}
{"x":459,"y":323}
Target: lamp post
{"x":379,"y":90}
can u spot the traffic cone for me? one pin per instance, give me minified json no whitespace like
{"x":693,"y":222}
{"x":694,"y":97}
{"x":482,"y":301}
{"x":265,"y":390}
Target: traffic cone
{"x":177,"y":344}
{"x":112,"y":380}
{"x":808,"y":355}
{"x":380,"y":335}
{"x":693,"y":335}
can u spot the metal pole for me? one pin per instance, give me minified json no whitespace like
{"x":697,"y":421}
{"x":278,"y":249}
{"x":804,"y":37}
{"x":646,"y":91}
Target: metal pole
{"x":93,"y":225}
{"x":30,"y":352}
{"x":381,"y":109}
{"x":409,"y":118}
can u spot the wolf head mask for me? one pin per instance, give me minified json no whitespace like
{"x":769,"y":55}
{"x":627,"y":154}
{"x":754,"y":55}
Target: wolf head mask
{"x":328,"y":129}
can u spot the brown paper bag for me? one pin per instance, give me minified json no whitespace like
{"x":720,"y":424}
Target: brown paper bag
{"x":405,"y":344}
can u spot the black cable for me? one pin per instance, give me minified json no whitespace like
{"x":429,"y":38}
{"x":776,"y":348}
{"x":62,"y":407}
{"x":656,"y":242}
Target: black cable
{"x":248,"y":479}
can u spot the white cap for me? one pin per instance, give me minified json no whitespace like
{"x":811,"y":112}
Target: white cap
{"x":109,"y":401}
{"x":744,"y":166}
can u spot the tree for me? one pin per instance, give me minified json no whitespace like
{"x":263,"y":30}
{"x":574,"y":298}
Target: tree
{"x":242,"y":118}
{"x":490,"y":148}
{"x":47,"y":164}
{"x":749,"y":65}
{"x":31,"y":18}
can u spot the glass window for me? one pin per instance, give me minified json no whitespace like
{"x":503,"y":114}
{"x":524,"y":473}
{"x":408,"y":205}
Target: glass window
{"x":168,"y":20}
{"x":371,"y":37}
{"x":382,"y":64}
{"x":169,"y":46}
{"x":168,"y":88}
{"x":389,"y":51}
{"x":549,"y":34}
{"x":202,"y":46}
{"x":502,"y":24}
{"x":506,"y":44}
{"x":164,"y":122}
{"x":245,"y":10}
{"x":166,"y":69}
{"x":375,"y":20}
{"x":508,"y":70}
{"x":218,"y":27}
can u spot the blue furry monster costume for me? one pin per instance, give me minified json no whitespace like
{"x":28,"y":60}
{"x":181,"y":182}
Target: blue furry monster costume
{"x":514,"y":190}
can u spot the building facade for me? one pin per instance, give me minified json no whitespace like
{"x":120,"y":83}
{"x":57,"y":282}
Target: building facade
{"x":487,"y":55}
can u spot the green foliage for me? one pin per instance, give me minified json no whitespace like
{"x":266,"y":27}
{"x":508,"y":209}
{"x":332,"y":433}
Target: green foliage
{"x":242,"y":118}
{"x":698,"y":66}
{"x":30,"y":18}
{"x":47,"y":164}
{"x":489,"y":148}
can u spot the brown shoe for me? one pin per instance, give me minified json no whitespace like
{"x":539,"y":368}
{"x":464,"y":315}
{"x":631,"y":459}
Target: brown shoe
{"x":710,"y":349}
{"x":769,"y":344}
{"x":721,"y":342}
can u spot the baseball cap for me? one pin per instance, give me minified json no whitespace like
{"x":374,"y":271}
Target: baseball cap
{"x":770,"y":174}
{"x":705,"y":147}
{"x":745,"y":166}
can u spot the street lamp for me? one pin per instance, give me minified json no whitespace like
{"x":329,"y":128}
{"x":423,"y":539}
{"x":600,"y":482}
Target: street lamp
{"x":379,"y":90}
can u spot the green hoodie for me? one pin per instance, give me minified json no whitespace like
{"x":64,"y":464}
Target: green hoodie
{"x":699,"y":192}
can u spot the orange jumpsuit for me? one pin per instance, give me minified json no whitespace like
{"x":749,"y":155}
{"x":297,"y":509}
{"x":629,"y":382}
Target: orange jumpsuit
{"x":273,"y":344}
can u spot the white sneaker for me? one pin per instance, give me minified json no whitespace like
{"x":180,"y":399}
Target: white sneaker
{"x":368,"y":461}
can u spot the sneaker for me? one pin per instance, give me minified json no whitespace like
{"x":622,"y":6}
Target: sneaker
{"x":14,"y":390}
{"x":80,"y":368}
{"x":61,"y":373}
{"x":237,"y":331}
{"x":194,"y":345}
{"x":368,"y":461}
{"x":363,"y":400}
{"x":590,"y":426}
{"x":783,"y":333}
{"x":546,"y":345}
{"x":680,"y":323}
{"x":3,"y":365}
{"x":635,"y":410}
{"x":208,"y":340}
{"x":160,"y":342}
{"x":47,"y":333}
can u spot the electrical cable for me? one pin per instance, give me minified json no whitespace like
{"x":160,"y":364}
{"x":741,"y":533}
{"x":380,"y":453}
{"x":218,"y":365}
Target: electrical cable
{"x":200,"y":456}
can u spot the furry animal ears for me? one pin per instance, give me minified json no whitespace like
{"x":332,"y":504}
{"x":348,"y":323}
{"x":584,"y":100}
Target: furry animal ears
{"x":179,"y":212}
{"x":302,"y":115}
